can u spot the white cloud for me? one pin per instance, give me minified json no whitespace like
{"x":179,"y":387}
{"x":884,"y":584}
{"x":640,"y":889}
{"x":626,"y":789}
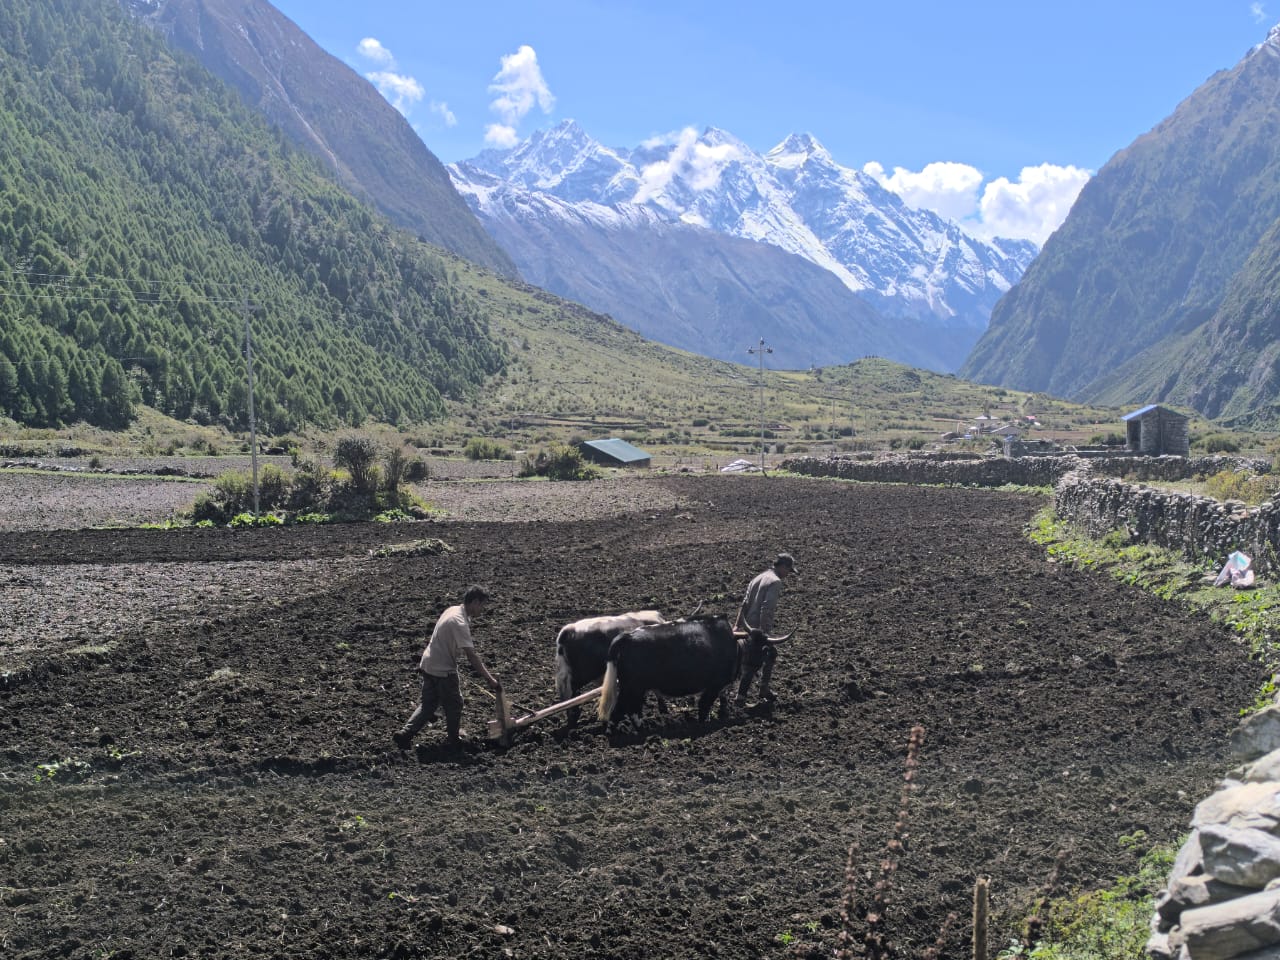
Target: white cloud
{"x":948,"y":189}
{"x":1031,"y":208}
{"x":441,"y":109}
{"x":699,"y":164}
{"x":372,"y":49}
{"x":401,"y":91}
{"x":501,"y":136}
{"x":1259,"y":13}
{"x":520,"y":87}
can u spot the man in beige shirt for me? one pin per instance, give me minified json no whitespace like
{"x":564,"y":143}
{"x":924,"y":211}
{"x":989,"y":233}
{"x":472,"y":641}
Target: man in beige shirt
{"x":757,"y":611}
{"x":450,"y":643}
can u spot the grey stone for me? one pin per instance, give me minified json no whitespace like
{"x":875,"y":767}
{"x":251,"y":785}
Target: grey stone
{"x":1227,"y":930}
{"x":1257,"y":735}
{"x":1247,"y":806}
{"x":1266,"y":953}
{"x":1198,"y":891}
{"x":1264,"y":769}
{"x":1158,"y":947}
{"x":1190,"y":859}
{"x":1243,"y":857}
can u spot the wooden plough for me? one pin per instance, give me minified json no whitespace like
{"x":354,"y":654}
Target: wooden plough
{"x":505,"y":725}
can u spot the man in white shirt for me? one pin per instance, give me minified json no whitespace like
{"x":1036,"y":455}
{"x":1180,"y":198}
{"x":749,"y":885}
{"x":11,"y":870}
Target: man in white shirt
{"x":757,"y":611}
{"x":450,"y":643}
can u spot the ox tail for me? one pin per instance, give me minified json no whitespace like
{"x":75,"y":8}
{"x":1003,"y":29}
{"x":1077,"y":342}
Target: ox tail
{"x":609,"y":691}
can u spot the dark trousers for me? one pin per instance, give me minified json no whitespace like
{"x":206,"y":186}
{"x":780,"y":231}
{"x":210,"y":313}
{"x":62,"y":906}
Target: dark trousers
{"x":749,"y":674}
{"x":437,"y":692}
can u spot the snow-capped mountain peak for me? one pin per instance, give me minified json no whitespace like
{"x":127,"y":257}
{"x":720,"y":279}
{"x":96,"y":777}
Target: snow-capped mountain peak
{"x":910,"y":264}
{"x":797,"y":150}
{"x":1271,"y":45}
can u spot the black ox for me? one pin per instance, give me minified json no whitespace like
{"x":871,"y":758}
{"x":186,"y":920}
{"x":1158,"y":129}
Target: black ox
{"x":582,"y":650}
{"x":700,"y":655}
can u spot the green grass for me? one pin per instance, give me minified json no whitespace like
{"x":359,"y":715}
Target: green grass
{"x":1109,"y":924}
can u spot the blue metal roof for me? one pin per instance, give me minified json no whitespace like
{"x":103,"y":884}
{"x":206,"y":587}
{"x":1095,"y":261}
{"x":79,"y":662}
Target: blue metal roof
{"x":619,"y":450}
{"x":1147,"y":409}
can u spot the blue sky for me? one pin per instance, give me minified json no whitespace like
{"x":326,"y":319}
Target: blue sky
{"x":944,"y":102}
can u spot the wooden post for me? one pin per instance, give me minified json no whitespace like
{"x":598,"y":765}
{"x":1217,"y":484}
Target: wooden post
{"x":980,"y":918}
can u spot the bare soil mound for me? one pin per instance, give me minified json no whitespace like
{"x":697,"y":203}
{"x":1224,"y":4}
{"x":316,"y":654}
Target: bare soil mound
{"x":195,"y":756}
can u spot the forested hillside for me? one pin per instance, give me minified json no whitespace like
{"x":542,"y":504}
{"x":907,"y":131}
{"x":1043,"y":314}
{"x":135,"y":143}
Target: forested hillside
{"x":331,"y":111}
{"x":142,"y":205}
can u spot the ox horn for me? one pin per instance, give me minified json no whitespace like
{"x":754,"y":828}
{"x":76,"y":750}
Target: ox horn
{"x":777,"y":640}
{"x":696,"y":611}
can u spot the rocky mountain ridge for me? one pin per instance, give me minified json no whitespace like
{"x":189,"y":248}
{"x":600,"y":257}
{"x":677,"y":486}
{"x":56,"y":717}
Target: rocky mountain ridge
{"x":919,"y":274}
{"x":1163,"y":283}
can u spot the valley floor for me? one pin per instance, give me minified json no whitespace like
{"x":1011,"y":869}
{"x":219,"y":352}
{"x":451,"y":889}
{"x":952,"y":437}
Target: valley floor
{"x":195,"y":753}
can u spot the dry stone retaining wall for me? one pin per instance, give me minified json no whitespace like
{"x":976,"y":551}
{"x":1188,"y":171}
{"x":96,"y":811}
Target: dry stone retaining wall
{"x":1093,"y":494}
{"x":1223,"y":896}
{"x":1201,"y":528}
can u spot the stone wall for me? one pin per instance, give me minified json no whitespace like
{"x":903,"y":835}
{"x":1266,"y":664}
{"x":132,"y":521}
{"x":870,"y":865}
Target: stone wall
{"x":1223,"y":895}
{"x":995,"y":471}
{"x":1101,"y":495}
{"x":1203,"y":529}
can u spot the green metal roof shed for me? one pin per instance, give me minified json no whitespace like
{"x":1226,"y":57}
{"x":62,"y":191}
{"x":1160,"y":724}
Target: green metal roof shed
{"x":614,"y":453}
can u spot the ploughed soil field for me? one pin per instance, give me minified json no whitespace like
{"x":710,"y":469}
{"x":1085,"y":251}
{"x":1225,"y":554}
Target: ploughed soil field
{"x":195,"y":753}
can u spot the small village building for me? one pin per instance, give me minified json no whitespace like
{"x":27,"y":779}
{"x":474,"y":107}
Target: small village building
{"x":1157,"y":431}
{"x":614,"y":453}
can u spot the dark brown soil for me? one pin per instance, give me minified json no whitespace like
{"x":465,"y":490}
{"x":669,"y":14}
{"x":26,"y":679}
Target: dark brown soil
{"x":224,"y":783}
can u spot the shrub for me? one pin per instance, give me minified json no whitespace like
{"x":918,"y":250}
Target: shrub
{"x":249,"y":520}
{"x":357,"y":453}
{"x":558,"y":463}
{"x":1221,"y":443}
{"x":481,"y":448}
{"x":394,"y":466}
{"x":312,"y":488}
{"x":273,"y":487}
{"x":415,"y":471}
{"x":1230,"y":485}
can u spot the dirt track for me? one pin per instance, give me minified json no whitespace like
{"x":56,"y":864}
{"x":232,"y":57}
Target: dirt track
{"x":231,"y":697}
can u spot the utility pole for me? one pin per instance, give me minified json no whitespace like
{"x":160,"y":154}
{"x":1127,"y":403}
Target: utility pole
{"x":253,"y":424}
{"x":762,"y":349}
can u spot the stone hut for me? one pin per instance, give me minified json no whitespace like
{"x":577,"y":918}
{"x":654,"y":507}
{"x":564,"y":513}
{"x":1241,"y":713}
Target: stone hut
{"x":1157,"y":431}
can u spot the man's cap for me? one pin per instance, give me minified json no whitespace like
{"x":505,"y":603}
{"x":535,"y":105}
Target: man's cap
{"x":785,"y":560}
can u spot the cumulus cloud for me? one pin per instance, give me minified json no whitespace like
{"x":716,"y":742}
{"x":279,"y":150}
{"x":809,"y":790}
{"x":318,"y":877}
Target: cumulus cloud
{"x":372,"y":49}
{"x":1033,"y":207}
{"x":401,"y":91}
{"x":501,"y":136}
{"x":1030,"y":208}
{"x":949,"y":189}
{"x":1259,"y":12}
{"x":698,"y":164}
{"x":520,"y":87}
{"x":441,"y":109}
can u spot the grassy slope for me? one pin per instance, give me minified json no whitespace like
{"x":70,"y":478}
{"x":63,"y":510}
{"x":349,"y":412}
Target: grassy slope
{"x":573,"y":372}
